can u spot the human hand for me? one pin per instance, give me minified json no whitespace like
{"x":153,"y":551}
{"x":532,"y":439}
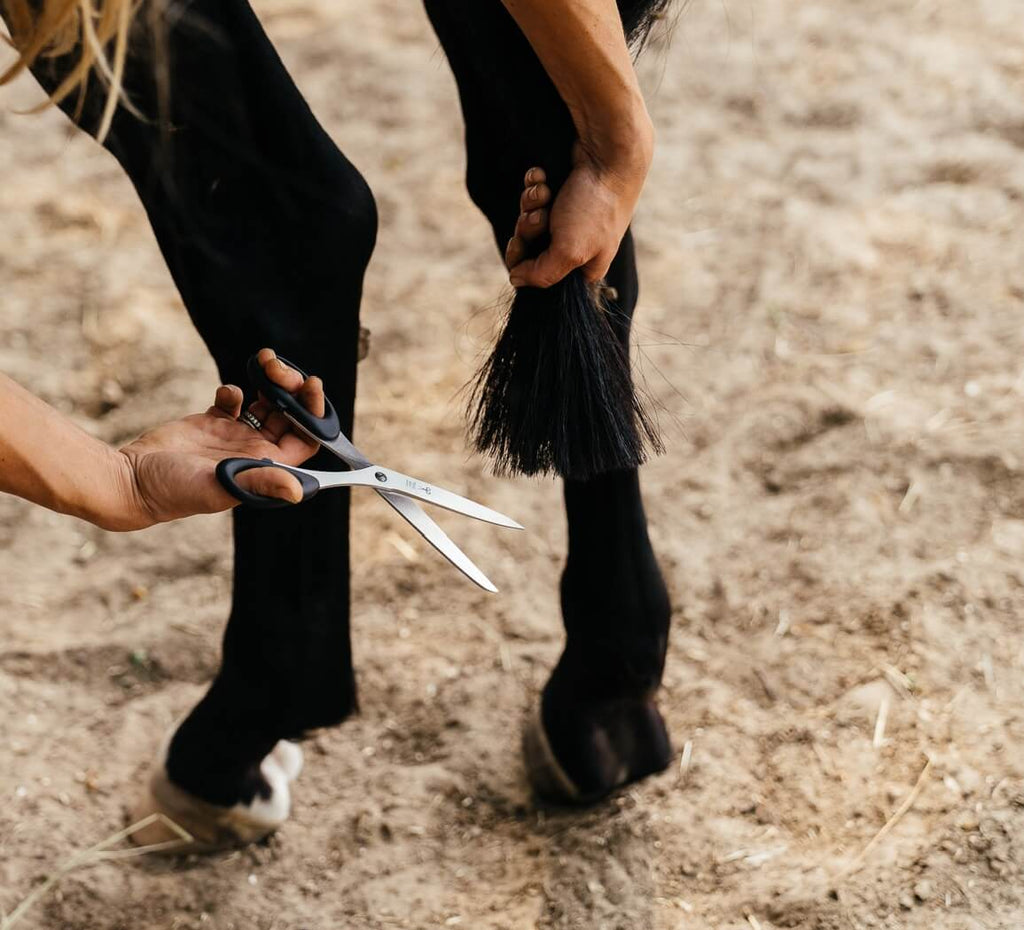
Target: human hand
{"x":169,"y":472}
{"x":590,"y":214}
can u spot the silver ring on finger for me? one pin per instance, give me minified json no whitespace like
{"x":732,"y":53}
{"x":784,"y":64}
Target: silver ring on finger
{"x":250,"y":420}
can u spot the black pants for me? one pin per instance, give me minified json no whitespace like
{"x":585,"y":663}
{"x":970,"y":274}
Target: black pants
{"x":267,"y":229}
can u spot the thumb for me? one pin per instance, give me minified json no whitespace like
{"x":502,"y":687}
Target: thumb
{"x":227,"y":402}
{"x":271,"y":482}
{"x":546,"y":269}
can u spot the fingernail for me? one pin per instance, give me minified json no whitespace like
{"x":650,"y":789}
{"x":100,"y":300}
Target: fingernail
{"x":531,"y":175}
{"x":535,"y":218}
{"x":531,"y":194}
{"x":515,"y":281}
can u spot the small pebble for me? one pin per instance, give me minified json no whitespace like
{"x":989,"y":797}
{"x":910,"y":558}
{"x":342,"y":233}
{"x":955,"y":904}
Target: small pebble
{"x":111,"y":392}
{"x":923,"y":890}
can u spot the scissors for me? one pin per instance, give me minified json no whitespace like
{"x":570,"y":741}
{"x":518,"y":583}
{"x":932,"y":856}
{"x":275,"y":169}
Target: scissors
{"x":400,"y":491}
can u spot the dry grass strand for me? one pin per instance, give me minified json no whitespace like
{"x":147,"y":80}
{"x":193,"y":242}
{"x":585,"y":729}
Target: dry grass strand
{"x":100,"y":852}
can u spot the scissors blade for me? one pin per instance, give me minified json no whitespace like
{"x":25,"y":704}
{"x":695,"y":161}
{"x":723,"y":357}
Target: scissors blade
{"x":432,"y":494}
{"x":407,"y":508}
{"x":387,"y":479}
{"x":433,"y":534}
{"x":340,"y":445}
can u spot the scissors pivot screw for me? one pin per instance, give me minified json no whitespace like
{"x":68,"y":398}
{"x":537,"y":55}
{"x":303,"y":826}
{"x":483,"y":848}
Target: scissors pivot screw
{"x":380,"y":476}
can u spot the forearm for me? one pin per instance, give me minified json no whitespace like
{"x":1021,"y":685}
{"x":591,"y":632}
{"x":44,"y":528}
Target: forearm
{"x":583,"y":49}
{"x":46,"y":459}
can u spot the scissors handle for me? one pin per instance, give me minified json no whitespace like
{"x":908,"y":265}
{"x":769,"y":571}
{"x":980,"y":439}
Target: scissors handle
{"x":229,"y":469}
{"x":325,"y":429}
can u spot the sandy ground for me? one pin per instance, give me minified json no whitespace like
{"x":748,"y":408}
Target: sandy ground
{"x":831,"y":318}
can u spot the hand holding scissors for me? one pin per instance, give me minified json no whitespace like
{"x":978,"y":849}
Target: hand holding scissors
{"x":401,"y":491}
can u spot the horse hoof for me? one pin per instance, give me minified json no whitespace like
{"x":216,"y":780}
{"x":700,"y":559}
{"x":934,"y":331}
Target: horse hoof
{"x":549,"y":780}
{"x":612,"y":747}
{"x":211,"y":826}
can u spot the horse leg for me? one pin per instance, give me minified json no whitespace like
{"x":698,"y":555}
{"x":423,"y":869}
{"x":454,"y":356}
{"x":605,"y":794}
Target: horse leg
{"x":597,"y":726}
{"x":266,"y":229}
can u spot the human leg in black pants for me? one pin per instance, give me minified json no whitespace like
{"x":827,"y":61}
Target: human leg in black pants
{"x":267,"y":229}
{"x":598,"y":726}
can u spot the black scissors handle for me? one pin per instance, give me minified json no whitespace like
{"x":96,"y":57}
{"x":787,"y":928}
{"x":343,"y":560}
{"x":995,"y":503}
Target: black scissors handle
{"x":229,"y":469}
{"x":325,"y":429}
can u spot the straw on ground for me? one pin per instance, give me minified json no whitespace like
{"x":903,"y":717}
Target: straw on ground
{"x":100,"y":852}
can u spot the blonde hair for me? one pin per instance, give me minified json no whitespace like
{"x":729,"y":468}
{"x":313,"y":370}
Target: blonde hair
{"x":95,"y":31}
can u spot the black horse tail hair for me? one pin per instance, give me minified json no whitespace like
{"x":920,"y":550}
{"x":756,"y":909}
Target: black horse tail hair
{"x":556,"y":395}
{"x":639,"y":17}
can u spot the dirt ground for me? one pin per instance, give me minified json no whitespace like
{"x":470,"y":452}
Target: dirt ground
{"x":833,"y":286}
